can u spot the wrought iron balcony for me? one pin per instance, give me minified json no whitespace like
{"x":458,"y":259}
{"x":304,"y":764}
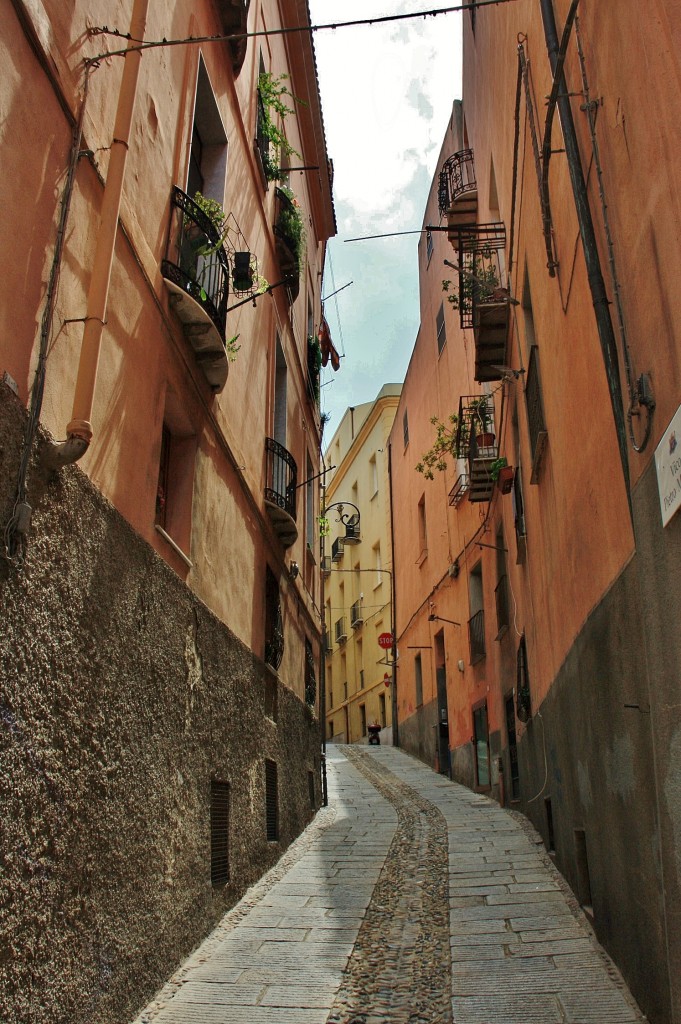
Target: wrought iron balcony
{"x":196,"y":272}
{"x":281,"y":474}
{"x":356,"y":616}
{"x":476,"y":636}
{"x":337,"y":549}
{"x":483,"y":301}
{"x":233,"y":16}
{"x":287,"y":241}
{"x":458,"y":189}
{"x":476,"y":442}
{"x":341,"y":631}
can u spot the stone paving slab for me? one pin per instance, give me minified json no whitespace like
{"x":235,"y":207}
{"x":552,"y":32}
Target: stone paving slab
{"x":410,"y":900}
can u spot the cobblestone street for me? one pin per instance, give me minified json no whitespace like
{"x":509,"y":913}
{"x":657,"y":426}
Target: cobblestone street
{"x":410,"y":900}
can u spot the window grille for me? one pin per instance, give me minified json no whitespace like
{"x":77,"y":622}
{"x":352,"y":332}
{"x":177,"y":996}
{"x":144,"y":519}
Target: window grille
{"x":441,"y":331}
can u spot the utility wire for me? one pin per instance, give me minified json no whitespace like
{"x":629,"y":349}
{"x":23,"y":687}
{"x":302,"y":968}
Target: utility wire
{"x":474,"y":5}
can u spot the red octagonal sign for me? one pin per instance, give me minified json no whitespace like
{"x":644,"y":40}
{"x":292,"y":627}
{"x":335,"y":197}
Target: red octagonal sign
{"x":385,"y":640}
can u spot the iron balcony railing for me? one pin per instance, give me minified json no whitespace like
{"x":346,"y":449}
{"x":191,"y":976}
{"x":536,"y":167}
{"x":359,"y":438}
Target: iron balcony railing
{"x":262,"y":139}
{"x":281,"y":477}
{"x":476,"y":636}
{"x":356,"y":617}
{"x":341,"y":632}
{"x":501,"y":596}
{"x":480,"y":280}
{"x":196,"y":260}
{"x":456,"y":178}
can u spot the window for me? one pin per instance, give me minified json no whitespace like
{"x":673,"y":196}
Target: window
{"x":175,"y":485}
{"x":522,"y":687}
{"x":363,"y":718}
{"x":533,"y":395}
{"x":310,"y":677}
{"x":271,"y":802}
{"x":274,"y":627}
{"x":440,"y":326}
{"x":219,"y":833}
{"x":309,"y":506}
{"x":418,"y":680}
{"x":373,"y":476}
{"x":331,"y":728}
{"x":377,"y":564}
{"x":405,"y":429}
{"x":381,"y":710}
{"x":423,"y":536}
{"x":429,"y":245}
{"x":501,"y":592}
{"x":207,"y":170}
{"x":476,"y":623}
{"x":311,"y":789}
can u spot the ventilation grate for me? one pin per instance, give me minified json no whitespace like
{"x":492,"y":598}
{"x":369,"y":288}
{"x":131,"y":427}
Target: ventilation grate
{"x":271,"y":802}
{"x":219,"y":833}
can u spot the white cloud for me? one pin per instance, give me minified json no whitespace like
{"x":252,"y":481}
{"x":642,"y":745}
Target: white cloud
{"x":387,"y":93}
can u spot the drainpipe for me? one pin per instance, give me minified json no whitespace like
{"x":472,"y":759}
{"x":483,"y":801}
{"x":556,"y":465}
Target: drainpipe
{"x":79,"y":430}
{"x":588,"y":236}
{"x":393,"y":602}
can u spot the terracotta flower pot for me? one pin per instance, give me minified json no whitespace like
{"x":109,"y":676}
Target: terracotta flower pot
{"x":505,"y":479}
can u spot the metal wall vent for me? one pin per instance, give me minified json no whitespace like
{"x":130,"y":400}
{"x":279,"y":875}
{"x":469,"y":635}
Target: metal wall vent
{"x":271,"y":802}
{"x":219,"y":833}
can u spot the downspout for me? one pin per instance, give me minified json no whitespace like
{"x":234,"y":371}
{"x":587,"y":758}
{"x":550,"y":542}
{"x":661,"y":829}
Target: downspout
{"x":79,"y":430}
{"x":588,"y":236}
{"x":393,"y":602}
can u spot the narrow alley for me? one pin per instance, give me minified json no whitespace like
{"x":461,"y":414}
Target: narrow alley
{"x":408,"y":900}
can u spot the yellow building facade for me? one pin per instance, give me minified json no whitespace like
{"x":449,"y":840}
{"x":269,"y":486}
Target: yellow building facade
{"x":357,"y":572}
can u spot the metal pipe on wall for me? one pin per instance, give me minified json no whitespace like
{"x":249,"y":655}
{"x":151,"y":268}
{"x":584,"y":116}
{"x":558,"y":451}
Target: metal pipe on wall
{"x":588,"y":236}
{"x":80,"y":425}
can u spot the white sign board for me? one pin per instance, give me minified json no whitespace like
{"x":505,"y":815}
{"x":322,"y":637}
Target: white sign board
{"x":668,"y":466}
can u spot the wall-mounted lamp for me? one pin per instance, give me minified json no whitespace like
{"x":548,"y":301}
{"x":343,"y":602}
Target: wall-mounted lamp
{"x":294,"y":570}
{"x":438,"y":618}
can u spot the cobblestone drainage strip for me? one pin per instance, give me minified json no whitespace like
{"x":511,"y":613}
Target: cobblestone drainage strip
{"x":400,"y":968}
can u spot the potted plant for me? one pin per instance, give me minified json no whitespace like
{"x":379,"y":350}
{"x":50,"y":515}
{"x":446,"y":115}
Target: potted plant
{"x":502,"y":474}
{"x":481,"y":422}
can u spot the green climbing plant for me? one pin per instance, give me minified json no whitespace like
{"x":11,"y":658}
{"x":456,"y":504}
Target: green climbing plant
{"x":273,"y":92}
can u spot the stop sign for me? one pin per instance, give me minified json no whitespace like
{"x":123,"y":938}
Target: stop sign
{"x":385,"y":640}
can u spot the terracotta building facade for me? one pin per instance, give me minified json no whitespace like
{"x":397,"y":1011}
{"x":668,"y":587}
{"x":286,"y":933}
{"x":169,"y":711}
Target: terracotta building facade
{"x":159,"y":442}
{"x":554,"y":686}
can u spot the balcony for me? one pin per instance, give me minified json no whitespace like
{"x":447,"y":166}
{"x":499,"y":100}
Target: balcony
{"x":337,"y":549}
{"x":484,"y":303}
{"x":461,"y":484}
{"x":476,"y":636}
{"x":458,"y":192}
{"x":281,"y":475}
{"x":356,"y":616}
{"x":196,"y":273}
{"x":326,"y":566}
{"x":233,"y":16}
{"x":288,"y":240}
{"x":476,"y":442}
{"x":341,"y":631}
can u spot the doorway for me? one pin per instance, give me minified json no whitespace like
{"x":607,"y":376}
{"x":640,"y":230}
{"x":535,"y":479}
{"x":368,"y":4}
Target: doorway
{"x":442,"y":724}
{"x":481,"y":745}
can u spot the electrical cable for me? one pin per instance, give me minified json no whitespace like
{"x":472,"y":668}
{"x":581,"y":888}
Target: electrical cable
{"x":473,"y":5}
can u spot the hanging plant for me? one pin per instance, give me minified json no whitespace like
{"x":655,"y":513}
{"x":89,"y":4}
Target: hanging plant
{"x":273,"y":105}
{"x":443,"y":448}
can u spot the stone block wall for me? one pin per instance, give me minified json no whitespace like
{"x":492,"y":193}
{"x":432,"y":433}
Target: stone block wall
{"x":121,"y":698}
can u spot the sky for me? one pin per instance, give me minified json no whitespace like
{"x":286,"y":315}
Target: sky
{"x":387,"y":93}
